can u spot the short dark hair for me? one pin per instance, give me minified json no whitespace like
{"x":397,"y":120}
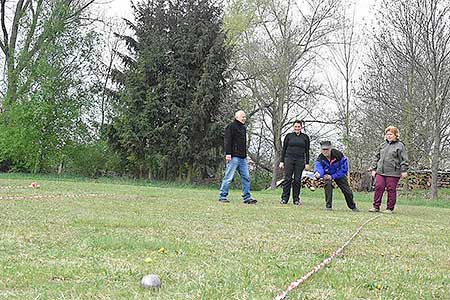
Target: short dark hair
{"x":298,"y":121}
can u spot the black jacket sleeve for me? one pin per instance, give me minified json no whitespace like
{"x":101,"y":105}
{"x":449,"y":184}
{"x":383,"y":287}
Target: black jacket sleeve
{"x":285,"y":145}
{"x":228,"y":140}
{"x":307,"y":149}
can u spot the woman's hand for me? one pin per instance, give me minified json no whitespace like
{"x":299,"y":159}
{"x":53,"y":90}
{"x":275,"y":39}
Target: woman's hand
{"x":306,"y":167}
{"x":374,"y":173}
{"x":281,"y":165}
{"x":404,"y":174}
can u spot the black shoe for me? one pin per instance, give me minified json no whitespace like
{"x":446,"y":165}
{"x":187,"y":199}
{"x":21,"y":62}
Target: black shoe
{"x":250,"y":201}
{"x":355,"y":210}
{"x":282,"y":202}
{"x":224,"y":201}
{"x":298,"y":203}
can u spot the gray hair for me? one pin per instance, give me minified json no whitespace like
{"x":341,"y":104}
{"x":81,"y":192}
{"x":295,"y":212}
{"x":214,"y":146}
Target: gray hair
{"x":238,"y":113}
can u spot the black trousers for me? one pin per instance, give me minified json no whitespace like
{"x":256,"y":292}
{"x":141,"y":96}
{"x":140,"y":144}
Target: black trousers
{"x":292,"y":166}
{"x":342,"y":183}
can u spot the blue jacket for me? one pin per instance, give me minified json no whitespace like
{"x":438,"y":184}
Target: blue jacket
{"x":337,"y":167}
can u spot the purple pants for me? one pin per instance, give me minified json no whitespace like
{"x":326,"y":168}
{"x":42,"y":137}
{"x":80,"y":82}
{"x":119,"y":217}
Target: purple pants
{"x":390,"y":184}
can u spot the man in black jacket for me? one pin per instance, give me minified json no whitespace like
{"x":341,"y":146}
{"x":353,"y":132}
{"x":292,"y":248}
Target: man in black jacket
{"x":236,"y":157}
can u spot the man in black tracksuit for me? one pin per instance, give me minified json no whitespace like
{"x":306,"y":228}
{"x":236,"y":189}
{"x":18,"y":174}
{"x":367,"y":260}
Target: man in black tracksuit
{"x":294,"y":159}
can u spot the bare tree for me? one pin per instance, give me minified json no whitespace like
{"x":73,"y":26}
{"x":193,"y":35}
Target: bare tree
{"x":434,"y":69}
{"x":277,"y":59}
{"x":344,"y":59}
{"x":112,"y":42}
{"x":407,"y":79}
{"x":27,"y":26}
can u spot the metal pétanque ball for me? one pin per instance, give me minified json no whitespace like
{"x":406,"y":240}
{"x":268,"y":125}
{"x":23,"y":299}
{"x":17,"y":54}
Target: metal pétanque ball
{"x":151,"y":281}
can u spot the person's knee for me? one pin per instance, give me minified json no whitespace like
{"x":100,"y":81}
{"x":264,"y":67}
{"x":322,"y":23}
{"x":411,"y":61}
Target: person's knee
{"x":348,"y":194}
{"x":288,"y":180}
{"x":391,"y":189}
{"x":229,"y":171}
{"x":297,"y":182}
{"x":380,"y":187}
{"x":246,"y":180}
{"x":228,"y":180}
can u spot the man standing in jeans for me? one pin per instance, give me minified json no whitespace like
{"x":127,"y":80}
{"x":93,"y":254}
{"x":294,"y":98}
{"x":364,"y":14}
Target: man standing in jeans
{"x":332,"y":165}
{"x":236,"y":157}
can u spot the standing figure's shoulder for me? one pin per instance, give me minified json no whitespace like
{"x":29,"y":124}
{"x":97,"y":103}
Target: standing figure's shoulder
{"x":230,"y":125}
{"x":288,"y":136}
{"x":382,"y":145}
{"x":401,"y":144}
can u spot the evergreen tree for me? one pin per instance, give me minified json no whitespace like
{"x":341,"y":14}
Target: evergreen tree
{"x":172,"y":88}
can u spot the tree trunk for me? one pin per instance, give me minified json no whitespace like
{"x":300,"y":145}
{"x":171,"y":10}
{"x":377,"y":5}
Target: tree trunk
{"x":190,"y":171}
{"x":150,"y":171}
{"x":277,"y":152}
{"x":39,"y":157}
{"x":141,"y":171}
{"x":435,"y":165}
{"x":11,"y":90}
{"x":180,"y":173}
{"x":347,"y":108}
{"x":61,"y":166}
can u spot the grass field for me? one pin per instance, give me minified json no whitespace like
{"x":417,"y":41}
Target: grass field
{"x":95,"y":240}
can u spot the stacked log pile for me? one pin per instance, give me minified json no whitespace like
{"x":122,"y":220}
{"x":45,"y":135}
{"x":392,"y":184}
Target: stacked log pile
{"x":307,"y":182}
{"x":422,"y":179}
{"x":310,"y":183}
{"x":363,"y":181}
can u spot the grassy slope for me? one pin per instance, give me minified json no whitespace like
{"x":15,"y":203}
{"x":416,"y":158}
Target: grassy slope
{"x":94,"y":247}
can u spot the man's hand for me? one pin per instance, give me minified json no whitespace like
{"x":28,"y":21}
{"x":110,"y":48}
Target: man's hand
{"x":404,"y":174}
{"x":327,"y":177}
{"x":281,"y":165}
{"x":228,"y":157}
{"x":317,"y":175}
{"x":306,"y":167}
{"x":374,"y":173}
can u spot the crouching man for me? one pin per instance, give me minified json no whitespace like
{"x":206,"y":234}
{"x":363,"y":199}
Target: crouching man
{"x":332,"y":165}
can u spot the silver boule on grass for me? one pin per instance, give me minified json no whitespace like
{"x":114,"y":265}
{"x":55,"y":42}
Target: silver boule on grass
{"x":151,"y":281}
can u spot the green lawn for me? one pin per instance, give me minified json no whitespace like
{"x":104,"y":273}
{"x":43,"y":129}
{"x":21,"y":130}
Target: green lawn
{"x":98,"y":246}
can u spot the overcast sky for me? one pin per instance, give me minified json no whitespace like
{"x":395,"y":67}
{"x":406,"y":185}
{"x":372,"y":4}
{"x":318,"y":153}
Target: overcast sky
{"x":118,"y":8}
{"x":122,"y":8}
